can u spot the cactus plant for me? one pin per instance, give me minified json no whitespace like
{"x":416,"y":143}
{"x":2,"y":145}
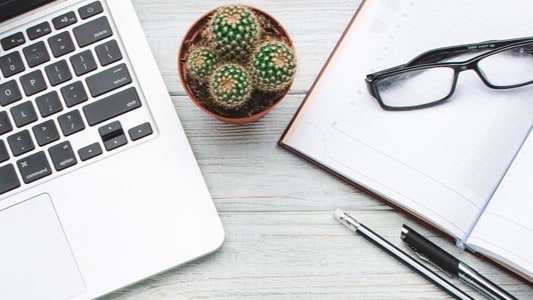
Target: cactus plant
{"x":273,"y":66}
{"x":236,"y":63}
{"x":230,"y":86}
{"x":233,"y":32}
{"x":201,"y":62}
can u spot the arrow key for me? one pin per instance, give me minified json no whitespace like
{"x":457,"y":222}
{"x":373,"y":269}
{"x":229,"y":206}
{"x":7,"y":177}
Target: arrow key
{"x":115,"y":142}
{"x":140,"y":131}
{"x":112,"y":135}
{"x":88,"y":152}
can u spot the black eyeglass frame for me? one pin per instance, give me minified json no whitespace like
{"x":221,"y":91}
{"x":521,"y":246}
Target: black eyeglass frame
{"x":429,"y":59}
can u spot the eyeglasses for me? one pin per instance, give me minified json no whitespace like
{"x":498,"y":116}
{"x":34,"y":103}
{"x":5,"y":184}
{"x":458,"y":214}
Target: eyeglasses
{"x":425,"y":82}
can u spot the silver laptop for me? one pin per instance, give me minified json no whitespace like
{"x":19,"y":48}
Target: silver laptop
{"x":98,"y":185}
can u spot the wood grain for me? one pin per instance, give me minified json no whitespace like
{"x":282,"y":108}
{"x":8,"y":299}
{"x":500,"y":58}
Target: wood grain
{"x":314,"y":28}
{"x":281,"y":238}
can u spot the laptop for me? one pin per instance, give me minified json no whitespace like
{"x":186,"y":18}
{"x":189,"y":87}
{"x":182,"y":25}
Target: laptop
{"x":99,"y":187}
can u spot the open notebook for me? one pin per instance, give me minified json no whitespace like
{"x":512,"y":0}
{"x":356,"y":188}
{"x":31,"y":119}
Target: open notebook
{"x":444,"y":164}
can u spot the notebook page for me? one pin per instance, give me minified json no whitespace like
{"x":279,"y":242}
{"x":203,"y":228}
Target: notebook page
{"x":505,"y":230}
{"x":442,"y":162}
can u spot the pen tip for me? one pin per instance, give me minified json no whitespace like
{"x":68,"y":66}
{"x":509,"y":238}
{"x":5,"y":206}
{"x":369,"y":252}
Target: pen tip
{"x":338,"y":213}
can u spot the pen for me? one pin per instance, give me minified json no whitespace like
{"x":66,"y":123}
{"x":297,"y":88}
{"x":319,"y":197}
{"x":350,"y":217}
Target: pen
{"x":454,"y":266}
{"x":403,"y":257}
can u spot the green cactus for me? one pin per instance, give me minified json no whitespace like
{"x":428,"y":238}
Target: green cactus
{"x":273,"y":66}
{"x":230,"y":86}
{"x":233,"y":32}
{"x":201,"y":62}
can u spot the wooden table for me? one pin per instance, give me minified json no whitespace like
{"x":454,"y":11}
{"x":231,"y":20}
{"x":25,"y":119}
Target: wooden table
{"x":281,"y":238}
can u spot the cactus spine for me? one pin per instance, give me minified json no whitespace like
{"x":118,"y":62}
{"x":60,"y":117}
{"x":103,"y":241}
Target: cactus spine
{"x":273,"y":66}
{"x":233,"y":32}
{"x":230,"y":86}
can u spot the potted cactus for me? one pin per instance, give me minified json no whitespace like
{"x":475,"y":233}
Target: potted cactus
{"x":236,"y":63}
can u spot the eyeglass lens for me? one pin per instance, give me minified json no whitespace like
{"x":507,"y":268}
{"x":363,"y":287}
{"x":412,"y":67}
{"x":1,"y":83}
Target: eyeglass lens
{"x":416,"y":87}
{"x":510,"y":67}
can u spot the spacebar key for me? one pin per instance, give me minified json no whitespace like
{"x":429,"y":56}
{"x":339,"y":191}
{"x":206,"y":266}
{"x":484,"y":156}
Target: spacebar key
{"x":112,"y":106}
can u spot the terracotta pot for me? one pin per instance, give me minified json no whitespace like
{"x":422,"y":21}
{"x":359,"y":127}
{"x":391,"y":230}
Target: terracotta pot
{"x":194,"y":36}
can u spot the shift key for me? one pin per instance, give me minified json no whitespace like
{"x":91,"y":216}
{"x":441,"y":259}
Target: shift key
{"x":108,"y":80}
{"x":112,"y":106}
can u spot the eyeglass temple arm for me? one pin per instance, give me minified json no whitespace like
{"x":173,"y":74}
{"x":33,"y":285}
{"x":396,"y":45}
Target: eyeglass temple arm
{"x":440,"y":54}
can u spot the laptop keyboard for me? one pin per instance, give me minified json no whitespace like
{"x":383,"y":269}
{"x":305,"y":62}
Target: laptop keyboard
{"x":65,"y":89}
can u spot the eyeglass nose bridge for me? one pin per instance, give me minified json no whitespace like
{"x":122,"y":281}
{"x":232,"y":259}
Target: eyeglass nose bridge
{"x":467,"y":66}
{"x":471,"y":65}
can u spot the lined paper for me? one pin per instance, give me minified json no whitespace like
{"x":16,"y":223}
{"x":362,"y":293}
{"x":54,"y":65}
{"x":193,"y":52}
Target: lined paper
{"x":505,"y":229}
{"x":440,"y":163}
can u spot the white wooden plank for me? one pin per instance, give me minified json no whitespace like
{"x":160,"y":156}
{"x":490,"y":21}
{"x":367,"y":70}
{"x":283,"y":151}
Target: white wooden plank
{"x":245,"y":170}
{"x":306,"y":255}
{"x":315,"y":26}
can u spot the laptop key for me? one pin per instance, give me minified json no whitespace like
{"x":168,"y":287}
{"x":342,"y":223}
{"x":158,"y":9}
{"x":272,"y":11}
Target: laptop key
{"x":36,"y":54}
{"x":71,"y":122}
{"x":5,"y":124}
{"x":112,"y":135}
{"x":45,"y":133}
{"x":11,"y":64}
{"x":9,"y":93}
{"x":58,"y":72}
{"x":140,"y":131}
{"x":90,"y":10}
{"x":92,"y":32}
{"x":39,"y":30}
{"x":61,"y":44}
{"x":34,"y":167}
{"x":33,"y":83}
{"x":112,"y":106}
{"x":4,"y":155}
{"x":115,"y":142}
{"x":108,"y":53}
{"x":49,"y":104}
{"x":108,"y":80}
{"x":74,"y":94}
{"x":88,"y":152}
{"x":62,"y":156}
{"x":110,"y":130}
{"x":64,"y":20}
{"x":20,"y":142}
{"x":83,"y":62}
{"x":23,"y":114}
{"x":13,"y":41}
{"x":8,"y":179}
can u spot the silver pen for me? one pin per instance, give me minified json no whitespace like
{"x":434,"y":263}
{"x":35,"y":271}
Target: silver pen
{"x":434,"y":254}
{"x":403,"y":257}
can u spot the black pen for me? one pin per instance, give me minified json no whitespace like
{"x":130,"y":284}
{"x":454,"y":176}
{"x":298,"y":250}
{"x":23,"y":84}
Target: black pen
{"x":454,"y":266}
{"x":403,"y":257}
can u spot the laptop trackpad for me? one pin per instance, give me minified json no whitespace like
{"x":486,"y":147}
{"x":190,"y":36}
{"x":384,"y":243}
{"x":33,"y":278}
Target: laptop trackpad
{"x":35,"y":258}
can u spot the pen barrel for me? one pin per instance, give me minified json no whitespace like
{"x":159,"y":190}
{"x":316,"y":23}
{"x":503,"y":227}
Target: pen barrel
{"x":482,"y":284}
{"x":411,"y":262}
{"x":435,"y":254}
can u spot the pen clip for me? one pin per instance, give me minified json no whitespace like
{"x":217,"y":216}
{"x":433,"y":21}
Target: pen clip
{"x":427,"y":260}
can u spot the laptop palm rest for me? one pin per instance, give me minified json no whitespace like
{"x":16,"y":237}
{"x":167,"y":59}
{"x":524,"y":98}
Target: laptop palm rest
{"x":43,"y":260}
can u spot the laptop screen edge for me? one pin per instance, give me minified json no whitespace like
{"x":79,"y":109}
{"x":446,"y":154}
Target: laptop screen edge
{"x":13,"y":8}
